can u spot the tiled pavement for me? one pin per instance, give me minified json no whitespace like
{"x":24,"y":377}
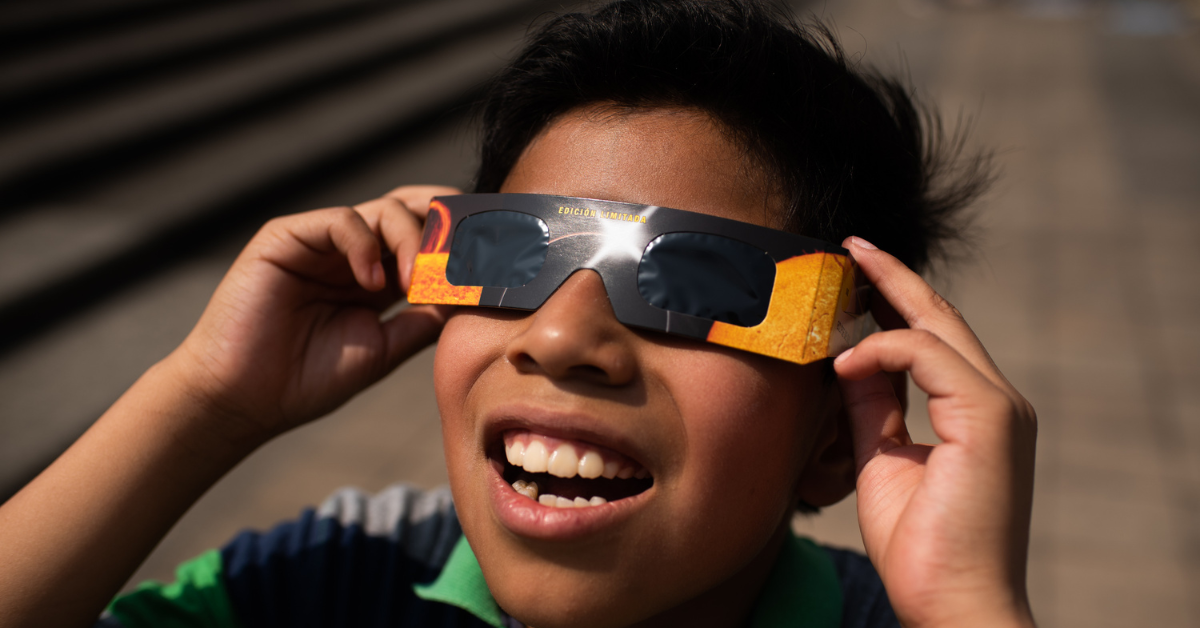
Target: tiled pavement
{"x":1084,"y":289}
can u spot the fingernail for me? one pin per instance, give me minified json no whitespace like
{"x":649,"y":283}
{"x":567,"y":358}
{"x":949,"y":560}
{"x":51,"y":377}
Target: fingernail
{"x":406,"y":273}
{"x":844,"y":356}
{"x":377,"y":276}
{"x":864,"y":244}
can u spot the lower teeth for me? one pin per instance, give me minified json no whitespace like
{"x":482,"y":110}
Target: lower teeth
{"x":530,"y":490}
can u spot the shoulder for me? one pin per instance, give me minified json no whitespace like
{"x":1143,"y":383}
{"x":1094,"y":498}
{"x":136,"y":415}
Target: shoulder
{"x":864,"y":600}
{"x":422,"y":524}
{"x":352,"y":561}
{"x":355,"y":559}
{"x":400,"y":524}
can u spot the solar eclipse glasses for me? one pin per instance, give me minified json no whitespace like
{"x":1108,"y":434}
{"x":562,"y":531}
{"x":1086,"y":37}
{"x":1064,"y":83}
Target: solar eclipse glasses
{"x":692,"y":275}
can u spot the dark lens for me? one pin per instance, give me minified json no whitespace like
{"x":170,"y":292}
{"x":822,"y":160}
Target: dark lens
{"x":707,"y":276}
{"x":498,"y":249}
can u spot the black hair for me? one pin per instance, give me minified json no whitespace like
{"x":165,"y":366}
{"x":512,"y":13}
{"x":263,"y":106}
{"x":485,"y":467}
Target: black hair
{"x":850,"y":150}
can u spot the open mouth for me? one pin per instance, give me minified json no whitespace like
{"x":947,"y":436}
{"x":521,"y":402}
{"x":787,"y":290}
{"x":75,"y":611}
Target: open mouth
{"x":568,"y":474}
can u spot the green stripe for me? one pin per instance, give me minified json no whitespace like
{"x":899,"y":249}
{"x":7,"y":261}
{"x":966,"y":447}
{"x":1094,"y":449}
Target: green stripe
{"x":461,"y":584}
{"x":197,"y":599}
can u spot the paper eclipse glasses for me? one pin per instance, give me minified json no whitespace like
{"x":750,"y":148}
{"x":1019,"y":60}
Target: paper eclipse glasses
{"x":692,"y":275}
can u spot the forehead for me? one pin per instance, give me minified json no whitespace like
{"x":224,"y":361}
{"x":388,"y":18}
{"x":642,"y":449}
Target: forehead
{"x":670,"y":157}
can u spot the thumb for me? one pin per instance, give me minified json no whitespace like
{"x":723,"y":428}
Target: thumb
{"x":412,"y":329}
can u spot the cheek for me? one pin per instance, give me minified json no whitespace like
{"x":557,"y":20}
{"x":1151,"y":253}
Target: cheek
{"x":451,"y":384}
{"x":472,"y":341}
{"x":469,"y":345}
{"x":750,"y":427}
{"x":450,"y":381}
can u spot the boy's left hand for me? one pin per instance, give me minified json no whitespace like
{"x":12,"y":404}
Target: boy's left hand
{"x":947,"y":525}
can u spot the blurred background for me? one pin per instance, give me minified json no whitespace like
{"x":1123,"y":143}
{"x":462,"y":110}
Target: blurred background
{"x":143,"y":141}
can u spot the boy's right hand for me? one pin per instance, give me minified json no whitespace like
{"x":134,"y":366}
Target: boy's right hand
{"x":294,"y":329}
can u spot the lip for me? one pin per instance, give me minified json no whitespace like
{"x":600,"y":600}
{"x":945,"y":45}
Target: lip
{"x":527,"y":518}
{"x":524,"y":517}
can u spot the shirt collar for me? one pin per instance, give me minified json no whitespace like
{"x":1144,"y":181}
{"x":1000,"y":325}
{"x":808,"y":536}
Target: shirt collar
{"x":802,"y":590}
{"x":461,"y":584}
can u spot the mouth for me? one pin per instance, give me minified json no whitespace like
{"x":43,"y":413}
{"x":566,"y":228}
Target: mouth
{"x":561,"y":473}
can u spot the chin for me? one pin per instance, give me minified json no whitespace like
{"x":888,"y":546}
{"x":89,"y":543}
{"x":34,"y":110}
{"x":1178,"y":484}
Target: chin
{"x":580,"y":603}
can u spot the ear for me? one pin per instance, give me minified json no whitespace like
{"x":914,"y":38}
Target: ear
{"x":830,"y":474}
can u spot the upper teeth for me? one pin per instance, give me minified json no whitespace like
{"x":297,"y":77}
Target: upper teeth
{"x":565,"y":461}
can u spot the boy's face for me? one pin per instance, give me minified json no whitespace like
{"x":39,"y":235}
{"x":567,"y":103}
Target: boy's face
{"x":725,"y":436}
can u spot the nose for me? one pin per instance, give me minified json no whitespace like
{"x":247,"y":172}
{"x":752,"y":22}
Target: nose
{"x":576,"y":335}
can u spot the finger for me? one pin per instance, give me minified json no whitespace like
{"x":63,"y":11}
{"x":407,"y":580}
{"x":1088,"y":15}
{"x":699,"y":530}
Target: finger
{"x":400,"y":230}
{"x":876,"y":417}
{"x":401,"y":213}
{"x":343,"y":231}
{"x":418,"y":197}
{"x":921,"y":307}
{"x":936,"y":368}
{"x":885,"y":314}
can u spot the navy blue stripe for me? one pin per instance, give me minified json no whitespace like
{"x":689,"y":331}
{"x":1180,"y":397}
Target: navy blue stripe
{"x":865,"y":602}
{"x":317,"y":572}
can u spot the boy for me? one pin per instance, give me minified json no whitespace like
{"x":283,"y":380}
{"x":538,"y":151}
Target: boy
{"x":720,"y":108}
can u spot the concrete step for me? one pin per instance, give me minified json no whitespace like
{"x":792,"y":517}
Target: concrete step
{"x":41,"y":151}
{"x":54,"y":255}
{"x":40,"y":24}
{"x":54,"y":386}
{"x":94,"y":62}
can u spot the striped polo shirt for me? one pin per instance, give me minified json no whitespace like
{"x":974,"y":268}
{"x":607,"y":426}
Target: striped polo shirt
{"x":399,"y":559}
